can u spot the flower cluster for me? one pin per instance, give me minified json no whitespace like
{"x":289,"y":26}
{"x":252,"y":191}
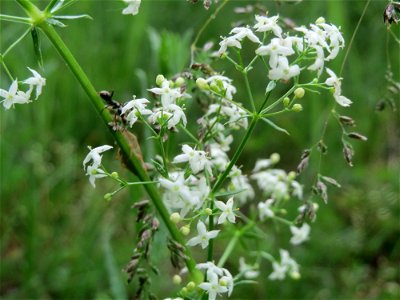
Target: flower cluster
{"x":168,"y":115}
{"x":319,"y":43}
{"x":286,"y":265}
{"x":219,"y":280}
{"x":15,"y":96}
{"x":94,"y":170}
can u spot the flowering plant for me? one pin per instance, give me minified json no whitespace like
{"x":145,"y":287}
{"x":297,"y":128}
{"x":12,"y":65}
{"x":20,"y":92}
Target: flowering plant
{"x":201,"y":188}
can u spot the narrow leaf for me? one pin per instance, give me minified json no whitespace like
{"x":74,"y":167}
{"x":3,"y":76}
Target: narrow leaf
{"x":271,"y":85}
{"x":55,"y":22}
{"x":273,"y":125}
{"x":229,"y":193}
{"x":73,"y":17}
{"x":36,"y":46}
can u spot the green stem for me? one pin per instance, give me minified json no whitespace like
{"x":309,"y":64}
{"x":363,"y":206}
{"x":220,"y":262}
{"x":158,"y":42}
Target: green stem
{"x":228,"y":250}
{"x":133,"y":163}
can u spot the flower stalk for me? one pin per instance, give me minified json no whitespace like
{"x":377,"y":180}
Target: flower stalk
{"x":133,"y":163}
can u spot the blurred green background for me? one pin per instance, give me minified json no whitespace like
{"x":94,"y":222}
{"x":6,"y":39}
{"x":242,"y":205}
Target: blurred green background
{"x":61,"y":240}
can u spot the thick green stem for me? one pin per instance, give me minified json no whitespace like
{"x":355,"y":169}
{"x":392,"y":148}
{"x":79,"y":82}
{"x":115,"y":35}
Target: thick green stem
{"x":133,"y":163}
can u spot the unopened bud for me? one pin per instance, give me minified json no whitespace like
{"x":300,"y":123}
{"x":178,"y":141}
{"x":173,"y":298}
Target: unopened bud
{"x":320,"y":20}
{"x":202,"y":83}
{"x":115,"y":175}
{"x":191,"y":285}
{"x":208,"y":211}
{"x":175,"y":218}
{"x":297,"y":107}
{"x":295,"y":275}
{"x":108,"y":196}
{"x":223,"y":282}
{"x":283,"y":211}
{"x":177,"y":279}
{"x":185,"y":230}
{"x":315,"y":80}
{"x":160,"y":79}
{"x":184,"y":291}
{"x":292,"y":175}
{"x":214,"y":87}
{"x":275,"y":158}
{"x":179,"y":81}
{"x":286,"y":101}
{"x":299,"y":93}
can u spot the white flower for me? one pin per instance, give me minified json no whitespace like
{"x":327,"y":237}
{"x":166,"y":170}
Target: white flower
{"x":219,"y":158}
{"x":265,"y":24}
{"x":264,"y":209}
{"x":179,"y":195}
{"x":135,"y":107}
{"x":319,"y":62}
{"x":337,"y":84}
{"x":283,"y":70}
{"x":336,"y":40}
{"x":203,"y":237}
{"x":197,"y":159}
{"x":177,"y":116}
{"x":287,"y":264}
{"x":133,"y":7}
{"x":227,"y":211}
{"x":226,"y":279}
{"x":13,"y":96}
{"x":248,"y":271}
{"x":226,"y":42}
{"x":299,"y":235}
{"x":279,"y":272}
{"x":276,"y":48}
{"x":94,"y":155}
{"x":241,"y":32}
{"x":168,"y":95}
{"x":213,"y":287}
{"x":37,"y":81}
{"x":94,"y":173}
{"x":240,"y":182}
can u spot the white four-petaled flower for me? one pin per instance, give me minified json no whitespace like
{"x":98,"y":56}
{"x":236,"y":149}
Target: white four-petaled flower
{"x":93,"y":170}
{"x":197,"y":159}
{"x":36,"y":81}
{"x":132,"y":8}
{"x":13,"y":96}
{"x":299,"y":235}
{"x":203,"y":237}
{"x":227,"y":211}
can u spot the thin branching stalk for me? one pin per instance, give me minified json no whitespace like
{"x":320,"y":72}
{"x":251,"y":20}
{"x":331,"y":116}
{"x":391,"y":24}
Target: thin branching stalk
{"x":133,"y":163}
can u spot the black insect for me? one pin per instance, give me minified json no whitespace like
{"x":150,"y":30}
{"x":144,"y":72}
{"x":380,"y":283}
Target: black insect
{"x":116,"y":108}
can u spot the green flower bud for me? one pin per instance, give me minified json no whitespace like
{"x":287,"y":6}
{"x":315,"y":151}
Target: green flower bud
{"x":208,"y":211}
{"x":286,"y":101}
{"x":160,"y":79}
{"x":295,"y":275}
{"x":320,"y":20}
{"x":297,"y":107}
{"x":108,"y":196}
{"x":115,"y":175}
{"x":177,"y":279}
{"x":315,"y":80}
{"x":275,"y":158}
{"x":202,"y":83}
{"x":175,"y":218}
{"x":185,"y":230}
{"x":179,"y":81}
{"x":299,"y":93}
{"x":191,"y":285}
{"x":292,"y":175}
{"x":214,"y":87}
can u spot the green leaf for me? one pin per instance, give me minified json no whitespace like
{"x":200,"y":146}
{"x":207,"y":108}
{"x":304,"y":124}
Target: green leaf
{"x":271,"y":85}
{"x":54,"y":5}
{"x":36,"y":46}
{"x":73,"y":17}
{"x":55,"y":22}
{"x":229,"y":193}
{"x":273,"y":125}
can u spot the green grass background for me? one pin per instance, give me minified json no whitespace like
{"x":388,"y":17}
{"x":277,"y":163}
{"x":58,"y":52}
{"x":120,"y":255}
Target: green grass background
{"x":61,"y":240}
